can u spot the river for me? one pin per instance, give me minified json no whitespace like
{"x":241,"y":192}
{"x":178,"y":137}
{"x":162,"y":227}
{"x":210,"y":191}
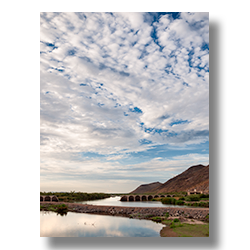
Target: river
{"x":89,"y":225}
{"x":115,"y":201}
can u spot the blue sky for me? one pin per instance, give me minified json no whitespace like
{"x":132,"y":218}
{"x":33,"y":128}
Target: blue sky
{"x":124,"y":98}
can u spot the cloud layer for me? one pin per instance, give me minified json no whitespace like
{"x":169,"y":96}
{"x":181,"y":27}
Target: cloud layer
{"x":115,"y":86}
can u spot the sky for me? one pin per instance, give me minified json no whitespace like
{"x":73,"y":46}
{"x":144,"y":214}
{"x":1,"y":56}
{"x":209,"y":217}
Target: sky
{"x":124,"y":98}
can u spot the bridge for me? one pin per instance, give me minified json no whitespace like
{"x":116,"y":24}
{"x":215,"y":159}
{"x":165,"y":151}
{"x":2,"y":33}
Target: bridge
{"x":48,"y":198}
{"x":143,"y":197}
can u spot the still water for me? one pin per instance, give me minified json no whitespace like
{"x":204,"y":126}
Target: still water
{"x":88,"y":225}
{"x":115,"y":201}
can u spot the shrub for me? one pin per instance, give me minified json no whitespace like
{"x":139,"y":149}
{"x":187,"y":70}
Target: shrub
{"x":51,"y":208}
{"x":204,"y":195}
{"x":168,"y":200}
{"x":176,"y":220}
{"x":156,"y":219}
{"x":198,"y":204}
{"x":194,"y":197}
{"x":182,"y":199}
{"x":167,"y":215}
{"x":179,"y":202}
{"x":204,"y":204}
{"x":205,"y":199}
{"x":61,"y":209}
{"x":172,"y":225}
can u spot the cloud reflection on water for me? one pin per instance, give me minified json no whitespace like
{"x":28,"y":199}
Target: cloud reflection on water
{"x":88,"y":225}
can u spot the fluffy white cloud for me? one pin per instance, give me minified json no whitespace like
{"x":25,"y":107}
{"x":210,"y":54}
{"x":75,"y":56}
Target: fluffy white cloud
{"x":111,"y":80}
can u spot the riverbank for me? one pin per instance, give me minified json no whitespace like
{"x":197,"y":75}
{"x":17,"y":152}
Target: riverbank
{"x":183,"y":227}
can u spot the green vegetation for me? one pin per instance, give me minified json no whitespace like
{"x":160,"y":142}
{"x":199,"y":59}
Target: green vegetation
{"x":61,"y":209}
{"x":197,"y":197}
{"x":193,"y":197}
{"x":77,"y":196}
{"x":191,"y":230}
{"x":204,"y":199}
{"x":167,"y":222}
{"x":178,"y":202}
{"x":204,"y":196}
{"x":173,"y":223}
{"x":156,"y":219}
{"x":167,"y":214}
{"x":188,"y":200}
{"x":198,"y":204}
{"x":168,"y":200}
{"x":207,"y":218}
{"x":149,"y":216}
{"x":187,"y":230}
{"x":177,"y":224}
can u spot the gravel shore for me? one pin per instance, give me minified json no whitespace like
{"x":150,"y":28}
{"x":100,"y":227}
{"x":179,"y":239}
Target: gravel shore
{"x":134,"y":212}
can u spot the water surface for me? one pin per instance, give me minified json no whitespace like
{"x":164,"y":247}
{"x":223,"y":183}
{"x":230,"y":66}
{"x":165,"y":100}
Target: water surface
{"x":89,"y":225}
{"x":115,"y":201}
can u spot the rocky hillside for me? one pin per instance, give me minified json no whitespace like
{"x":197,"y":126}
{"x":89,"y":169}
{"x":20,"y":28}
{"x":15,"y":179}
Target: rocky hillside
{"x":146,"y":188}
{"x":195,"y":177}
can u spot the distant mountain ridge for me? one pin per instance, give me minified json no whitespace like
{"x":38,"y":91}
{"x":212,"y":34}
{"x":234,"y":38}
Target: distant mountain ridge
{"x":195,"y":177}
{"x":146,"y":188}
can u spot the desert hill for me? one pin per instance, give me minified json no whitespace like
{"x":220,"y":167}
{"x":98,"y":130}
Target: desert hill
{"x":146,"y":188}
{"x":195,"y":177}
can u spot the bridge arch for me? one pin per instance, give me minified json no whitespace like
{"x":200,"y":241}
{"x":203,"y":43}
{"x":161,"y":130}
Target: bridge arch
{"x":54,"y":198}
{"x":150,"y":197}
{"x":47,"y":198}
{"x":162,"y":195}
{"x":144,"y":198}
{"x":137,"y":198}
{"x":41,"y":198}
{"x":156,"y":196}
{"x":131,"y":198}
{"x":124,"y":198}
